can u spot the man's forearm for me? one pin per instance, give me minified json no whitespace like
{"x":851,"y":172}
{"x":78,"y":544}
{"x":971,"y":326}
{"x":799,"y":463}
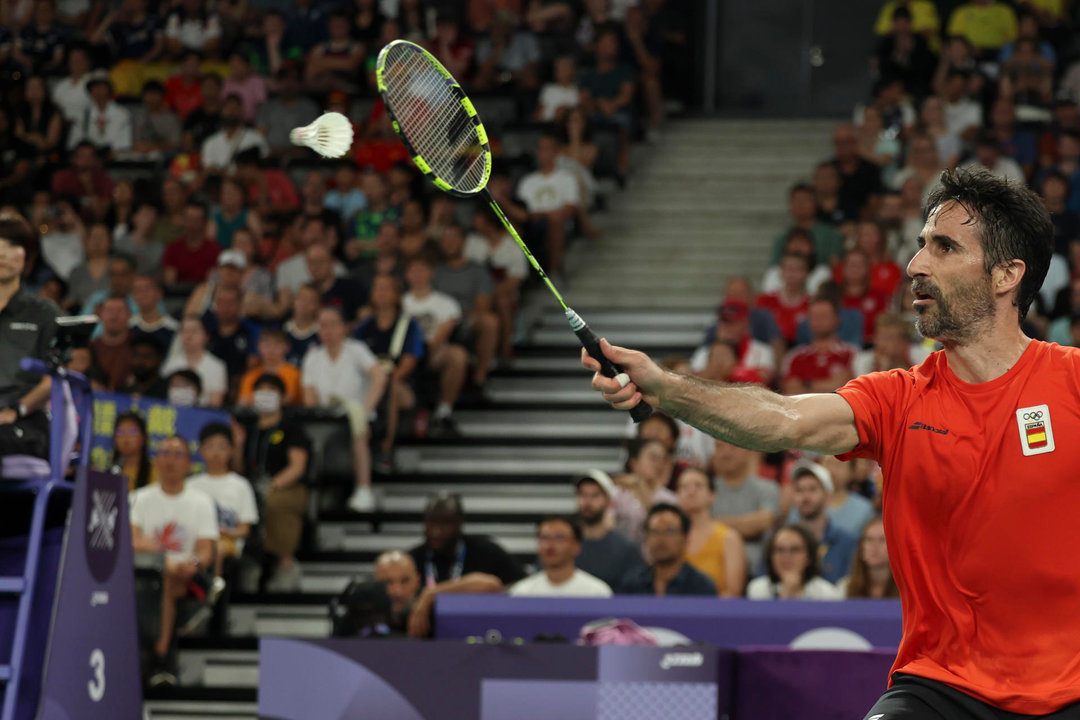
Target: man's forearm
{"x":749,"y":416}
{"x":37,"y":398}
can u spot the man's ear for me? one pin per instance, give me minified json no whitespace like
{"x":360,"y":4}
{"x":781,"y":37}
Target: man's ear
{"x":1007,"y":276}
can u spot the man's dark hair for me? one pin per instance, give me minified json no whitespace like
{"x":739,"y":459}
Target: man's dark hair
{"x":572,"y":522}
{"x":123,"y":257}
{"x":18,"y":232}
{"x":445,"y":503}
{"x":667,"y":420}
{"x":1010,"y":221}
{"x":190,"y":375}
{"x":634,"y":446}
{"x":801,"y":187}
{"x":813,"y":564}
{"x":269,"y":380}
{"x":200,"y":205}
{"x":710,"y":479}
{"x":658,"y":508}
{"x":141,"y":339}
{"x":153,"y":86}
{"x":213,"y":429}
{"x":901,"y":13}
{"x":802,"y":257}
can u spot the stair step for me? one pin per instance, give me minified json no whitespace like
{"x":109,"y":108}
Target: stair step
{"x":12,"y":585}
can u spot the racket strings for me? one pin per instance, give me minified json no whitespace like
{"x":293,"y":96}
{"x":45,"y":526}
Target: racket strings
{"x":430,"y":115}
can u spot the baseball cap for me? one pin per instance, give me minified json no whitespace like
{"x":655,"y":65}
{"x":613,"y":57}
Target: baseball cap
{"x":599,"y":477}
{"x":733,"y":309}
{"x":812,"y":468}
{"x":98,"y":77}
{"x":232,"y":257}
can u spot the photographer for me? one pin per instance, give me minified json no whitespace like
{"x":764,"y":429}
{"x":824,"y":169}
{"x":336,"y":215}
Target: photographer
{"x":27,"y":326}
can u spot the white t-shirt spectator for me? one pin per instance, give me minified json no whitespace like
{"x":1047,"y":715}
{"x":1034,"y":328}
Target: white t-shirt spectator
{"x":431,"y":311}
{"x":109,"y":127}
{"x":192,"y":33}
{"x":757,"y":355}
{"x":693,"y":446}
{"x":771,"y":281}
{"x":211,"y":370}
{"x":505,"y":259}
{"x":219,"y":150}
{"x":233,"y":496}
{"x":580,"y":584}
{"x":63,"y":252}
{"x":293,"y":272}
{"x":763,"y":588}
{"x":961,"y":115}
{"x":176,"y":521}
{"x":72,"y":97}
{"x":344,"y":379}
{"x":554,"y":96}
{"x":544,"y":193}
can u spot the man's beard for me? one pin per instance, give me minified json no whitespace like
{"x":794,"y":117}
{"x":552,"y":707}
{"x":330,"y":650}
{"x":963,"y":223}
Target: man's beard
{"x":960,"y":316}
{"x":592,"y":520}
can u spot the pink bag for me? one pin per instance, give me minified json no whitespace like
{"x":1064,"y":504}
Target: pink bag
{"x":615,"y":631}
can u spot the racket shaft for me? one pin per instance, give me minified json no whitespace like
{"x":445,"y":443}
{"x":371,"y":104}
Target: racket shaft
{"x":591,"y":343}
{"x":524,"y":248}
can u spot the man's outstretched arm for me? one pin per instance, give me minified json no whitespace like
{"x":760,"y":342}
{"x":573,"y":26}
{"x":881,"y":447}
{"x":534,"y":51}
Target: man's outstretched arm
{"x":745,"y":415}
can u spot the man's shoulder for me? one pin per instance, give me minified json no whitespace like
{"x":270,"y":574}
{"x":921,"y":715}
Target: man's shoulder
{"x":694,"y":580}
{"x":27,"y":305}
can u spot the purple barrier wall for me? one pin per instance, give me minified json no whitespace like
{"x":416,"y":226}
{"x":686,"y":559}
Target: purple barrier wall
{"x":725,"y":622}
{"x":402,"y":680}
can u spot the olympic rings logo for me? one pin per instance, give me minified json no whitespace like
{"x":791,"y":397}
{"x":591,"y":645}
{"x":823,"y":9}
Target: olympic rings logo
{"x":1037,"y":415}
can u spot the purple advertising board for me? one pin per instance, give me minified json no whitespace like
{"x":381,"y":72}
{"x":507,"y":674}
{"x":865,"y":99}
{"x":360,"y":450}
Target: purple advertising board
{"x":92,"y":661}
{"x":725,"y":622}
{"x":403,"y":680}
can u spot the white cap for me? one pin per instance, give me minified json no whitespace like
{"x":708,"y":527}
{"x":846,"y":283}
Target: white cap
{"x":232,"y":257}
{"x":599,"y":477}
{"x":818,"y":471}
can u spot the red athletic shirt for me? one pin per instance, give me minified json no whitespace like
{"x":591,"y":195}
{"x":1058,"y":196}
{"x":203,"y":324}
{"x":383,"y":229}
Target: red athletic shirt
{"x":787,"y":316}
{"x":981,"y":501}
{"x":809,"y":362}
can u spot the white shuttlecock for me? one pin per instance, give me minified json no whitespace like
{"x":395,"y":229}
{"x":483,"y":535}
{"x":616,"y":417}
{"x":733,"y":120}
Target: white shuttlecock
{"x":331,"y":135}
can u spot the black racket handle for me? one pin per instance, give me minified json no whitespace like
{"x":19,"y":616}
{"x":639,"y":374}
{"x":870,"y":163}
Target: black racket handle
{"x":591,"y":343}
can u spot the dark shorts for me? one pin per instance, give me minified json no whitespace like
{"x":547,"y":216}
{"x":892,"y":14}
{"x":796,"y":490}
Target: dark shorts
{"x":917,"y":698}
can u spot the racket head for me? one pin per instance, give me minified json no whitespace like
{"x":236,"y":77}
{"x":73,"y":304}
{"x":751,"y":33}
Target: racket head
{"x":434,"y":118}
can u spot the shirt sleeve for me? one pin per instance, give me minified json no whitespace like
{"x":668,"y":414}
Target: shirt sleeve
{"x":207,"y":522}
{"x":364,"y":358}
{"x":248,"y":512}
{"x":414,"y":340}
{"x":874,"y":399}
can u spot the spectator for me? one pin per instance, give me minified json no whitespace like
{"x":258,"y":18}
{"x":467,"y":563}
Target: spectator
{"x":801,"y":242}
{"x":828,"y":243}
{"x":438,"y":315}
{"x":130,"y":453}
{"x":287,"y":110}
{"x":170,"y":518}
{"x":184,"y":90}
{"x":689,"y":446}
{"x":377,"y":147}
{"x":813,"y":486}
{"x":826,"y":363}
{"x":901,"y":217}
{"x":924,"y":19}
{"x":986,"y":24}
{"x":273,"y":346}
{"x":40,"y":45}
{"x":848,"y":510}
{"x":104,"y":123}
{"x":877,"y":144}
{"x":62,"y":245}
{"x":335,"y":63}
{"x":756,"y":360}
{"x":860,"y":179}
{"x":559,"y":543}
{"x":171,"y":224}
{"x":605,"y":552}
{"x":121,"y":269}
{"x":1027,"y":78}
{"x":471,"y":286}
{"x":643,"y":484}
{"x":231,"y":493}
{"x":932,"y":123}
{"x":190,"y":352}
{"x":147,"y":356}
{"x":398,"y":343}
{"x":270,"y":192}
{"x":857,"y":293}
{"x":243,"y":82}
{"x":148,"y":318}
{"x":963,"y":115}
{"x":579,"y":154}
{"x":789,"y":304}
{"x":303,"y":327}
{"x":666,"y":531}
{"x":346,"y":199}
{"x":306,"y":23}
{"x":70,"y":93}
{"x":190,"y":26}
{"x":232,"y":336}
{"x":112,"y":350}
{"x":492,"y":247}
{"x":92,"y":274}
{"x":388,"y":259}
{"x":206,"y":119}
{"x":343,"y":293}
{"x":1067,"y":166}
{"x":1021,"y":144}
{"x":827,"y":195}
{"x":233,"y":214}
{"x":455,"y":561}
{"x":189,"y":259}
{"x":905,"y":54}
{"x":561,"y":94}
{"x":988,"y":155}
{"x":294,"y":271}
{"x":136,"y":239}
{"x":270,"y":51}
{"x":892,"y":347}
{"x":885,"y":275}
{"x":416,"y":237}
{"x":454,"y":49}
{"x":553,"y":198}
{"x":221,"y":150}
{"x":792,"y":569}
{"x":184,"y":387}
{"x":711,"y":547}
{"x":509,"y":55}
{"x":155,"y":128}
{"x":398,"y":574}
{"x":744,"y":502}
{"x":276,"y":455}
{"x":39,"y":123}
{"x":871,"y":576}
{"x":341,"y":373}
{"x":84,"y":182}
{"x":608,"y":90}
{"x":133,"y":36}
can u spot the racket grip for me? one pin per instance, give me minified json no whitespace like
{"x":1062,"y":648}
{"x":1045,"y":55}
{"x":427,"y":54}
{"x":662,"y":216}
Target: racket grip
{"x":591,"y":343}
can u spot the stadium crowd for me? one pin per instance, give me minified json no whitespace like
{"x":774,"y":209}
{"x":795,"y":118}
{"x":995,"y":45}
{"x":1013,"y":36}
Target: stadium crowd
{"x":147,"y":148}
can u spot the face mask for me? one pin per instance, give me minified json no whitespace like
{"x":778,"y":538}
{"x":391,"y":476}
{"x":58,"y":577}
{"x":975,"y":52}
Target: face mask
{"x":266,"y":402}
{"x":182,"y":396}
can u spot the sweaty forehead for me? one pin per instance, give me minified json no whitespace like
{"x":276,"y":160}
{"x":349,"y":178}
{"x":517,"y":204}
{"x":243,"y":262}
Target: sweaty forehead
{"x":952,"y":219}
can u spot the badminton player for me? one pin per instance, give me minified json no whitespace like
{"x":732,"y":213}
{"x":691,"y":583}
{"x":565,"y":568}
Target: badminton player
{"x":980,"y":449}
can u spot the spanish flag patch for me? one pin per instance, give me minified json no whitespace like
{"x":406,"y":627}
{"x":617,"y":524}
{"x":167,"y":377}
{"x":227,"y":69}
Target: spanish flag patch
{"x":1036,"y":433}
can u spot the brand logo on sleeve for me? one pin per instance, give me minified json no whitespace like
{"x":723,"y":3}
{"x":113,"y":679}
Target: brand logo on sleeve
{"x":931,"y":428}
{"x":1036,"y":432}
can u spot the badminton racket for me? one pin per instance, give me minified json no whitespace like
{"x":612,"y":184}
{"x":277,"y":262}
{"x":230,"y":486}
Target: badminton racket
{"x":448,"y":143}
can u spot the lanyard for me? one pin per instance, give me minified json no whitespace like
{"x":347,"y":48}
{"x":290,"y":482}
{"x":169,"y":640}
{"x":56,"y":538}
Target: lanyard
{"x":455,"y":572}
